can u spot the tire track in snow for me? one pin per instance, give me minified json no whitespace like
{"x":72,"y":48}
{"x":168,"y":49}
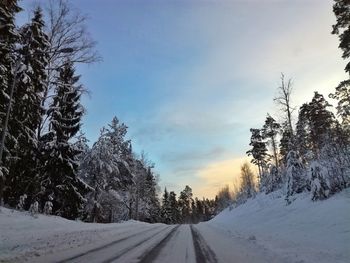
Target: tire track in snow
{"x":204,"y":254}
{"x":153,"y":253}
{"x":80,"y":255}
{"x":130,"y":249}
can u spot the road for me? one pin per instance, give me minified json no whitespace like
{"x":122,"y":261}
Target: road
{"x":170,"y":244}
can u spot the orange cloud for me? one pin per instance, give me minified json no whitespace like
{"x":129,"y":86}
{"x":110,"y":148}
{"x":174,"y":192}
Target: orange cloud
{"x":217,"y":175}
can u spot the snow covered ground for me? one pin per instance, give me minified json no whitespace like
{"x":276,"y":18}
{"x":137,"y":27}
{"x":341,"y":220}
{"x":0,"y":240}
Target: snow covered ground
{"x":304,"y":231}
{"x":262,"y":230}
{"x":23,"y":236}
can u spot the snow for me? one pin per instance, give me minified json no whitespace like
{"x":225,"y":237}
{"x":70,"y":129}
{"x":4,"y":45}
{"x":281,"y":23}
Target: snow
{"x":304,"y":231}
{"x":24,"y":236}
{"x":264,"y":229}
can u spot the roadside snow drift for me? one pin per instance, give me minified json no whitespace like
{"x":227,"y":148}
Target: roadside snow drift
{"x":306,"y":231}
{"x":23,"y":236}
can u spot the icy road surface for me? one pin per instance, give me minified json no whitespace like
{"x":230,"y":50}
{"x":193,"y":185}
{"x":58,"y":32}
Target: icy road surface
{"x":24,"y":238}
{"x":163,"y":243}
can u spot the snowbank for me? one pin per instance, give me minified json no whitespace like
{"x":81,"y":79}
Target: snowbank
{"x":305,"y":231}
{"x":24,"y":236}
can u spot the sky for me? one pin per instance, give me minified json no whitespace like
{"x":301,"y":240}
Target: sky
{"x":190,"y":78}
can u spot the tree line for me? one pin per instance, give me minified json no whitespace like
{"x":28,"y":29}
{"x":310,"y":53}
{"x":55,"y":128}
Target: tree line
{"x":311,"y":155}
{"x":185,"y":209}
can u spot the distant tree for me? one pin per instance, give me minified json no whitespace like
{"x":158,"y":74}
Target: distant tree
{"x":224,"y":198}
{"x":269,"y":131}
{"x":174,"y":210}
{"x":286,"y":144}
{"x":258,"y":151}
{"x":248,"y":187}
{"x":199,"y":210}
{"x":151,"y":202}
{"x":283,"y":99}
{"x":184,"y":203}
{"x":166,"y":210}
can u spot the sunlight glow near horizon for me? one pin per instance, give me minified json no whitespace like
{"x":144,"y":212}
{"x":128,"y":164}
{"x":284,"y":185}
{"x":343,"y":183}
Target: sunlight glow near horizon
{"x":190,"y":78}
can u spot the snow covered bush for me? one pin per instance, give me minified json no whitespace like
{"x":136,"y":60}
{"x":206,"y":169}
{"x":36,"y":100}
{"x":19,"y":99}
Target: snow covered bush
{"x":274,"y":180}
{"x":48,"y":208}
{"x":34,"y":208}
{"x":21,"y":203}
{"x":319,"y":182}
{"x":336,"y":159}
{"x":296,"y":179}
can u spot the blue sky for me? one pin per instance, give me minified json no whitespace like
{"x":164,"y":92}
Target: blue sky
{"x":190,"y":78}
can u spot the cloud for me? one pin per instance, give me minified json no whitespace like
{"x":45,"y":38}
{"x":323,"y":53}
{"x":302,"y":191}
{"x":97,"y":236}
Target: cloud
{"x":212,"y":153}
{"x":212,"y":177}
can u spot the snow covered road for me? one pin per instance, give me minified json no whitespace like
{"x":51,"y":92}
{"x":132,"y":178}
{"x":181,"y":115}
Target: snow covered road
{"x":24,"y":238}
{"x":162,"y":243}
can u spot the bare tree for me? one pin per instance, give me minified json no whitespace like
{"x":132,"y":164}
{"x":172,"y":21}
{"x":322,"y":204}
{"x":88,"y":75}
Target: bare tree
{"x":248,"y":182}
{"x":283,"y":99}
{"x":66,"y":30}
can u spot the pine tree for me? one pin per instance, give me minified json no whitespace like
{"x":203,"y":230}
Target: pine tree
{"x":150,"y":198}
{"x":165,"y":210}
{"x":342,"y":94}
{"x":270,"y":131}
{"x":27,"y":111}
{"x":258,"y":151}
{"x":315,"y":123}
{"x":82,"y":145}
{"x":174,"y":210}
{"x":8,"y":39}
{"x":336,"y":158}
{"x":303,"y":141}
{"x":341,"y":9}
{"x":200,"y":210}
{"x":121,"y":151}
{"x":286,"y":144}
{"x":36,"y":47}
{"x":184,"y":203}
{"x":193,"y":212}
{"x":94,"y":168}
{"x":321,"y":121}
{"x":59,"y":181}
